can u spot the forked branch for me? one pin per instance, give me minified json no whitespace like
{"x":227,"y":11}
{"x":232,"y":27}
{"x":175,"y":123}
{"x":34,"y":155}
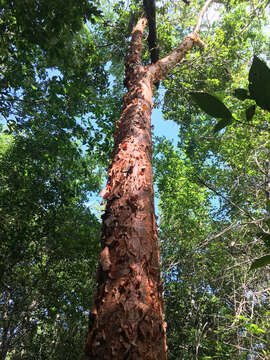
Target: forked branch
{"x":162,"y":67}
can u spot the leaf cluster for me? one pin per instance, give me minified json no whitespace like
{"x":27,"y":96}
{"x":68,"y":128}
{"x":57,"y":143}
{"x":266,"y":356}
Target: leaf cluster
{"x":259,"y":80}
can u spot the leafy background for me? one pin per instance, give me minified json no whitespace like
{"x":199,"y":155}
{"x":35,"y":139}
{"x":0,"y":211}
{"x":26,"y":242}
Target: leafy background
{"x":61,"y":89}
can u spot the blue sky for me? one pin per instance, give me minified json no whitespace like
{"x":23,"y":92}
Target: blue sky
{"x":167,"y":128}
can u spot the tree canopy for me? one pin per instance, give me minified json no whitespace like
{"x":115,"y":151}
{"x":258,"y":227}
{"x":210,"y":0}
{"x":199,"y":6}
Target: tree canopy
{"x":61,"y":89}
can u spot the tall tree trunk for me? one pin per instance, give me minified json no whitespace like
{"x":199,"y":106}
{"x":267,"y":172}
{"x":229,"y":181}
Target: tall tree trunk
{"x":127,"y":319}
{"x":127,"y":322}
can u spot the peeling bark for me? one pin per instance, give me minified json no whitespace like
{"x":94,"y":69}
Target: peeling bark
{"x":127,"y":320}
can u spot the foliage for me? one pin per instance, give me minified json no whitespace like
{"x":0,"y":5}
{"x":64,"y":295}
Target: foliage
{"x":47,"y":235}
{"x":44,"y":23}
{"x":206,"y":252}
{"x":213,"y":107}
{"x":61,"y":87}
{"x":50,"y":88}
{"x":50,"y":76}
{"x":259,"y":80}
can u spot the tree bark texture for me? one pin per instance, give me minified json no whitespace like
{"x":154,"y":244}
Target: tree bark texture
{"x":127,"y":321}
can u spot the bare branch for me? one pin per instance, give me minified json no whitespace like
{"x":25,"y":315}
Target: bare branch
{"x":210,"y":187}
{"x":203,"y":11}
{"x":162,"y":67}
{"x":213,"y":237}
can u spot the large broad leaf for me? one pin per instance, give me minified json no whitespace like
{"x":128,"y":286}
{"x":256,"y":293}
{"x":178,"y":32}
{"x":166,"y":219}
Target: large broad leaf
{"x":263,"y":261}
{"x":250,"y":112}
{"x":259,"y":83}
{"x":211,"y":105}
{"x":241,"y":94}
{"x":222,"y":124}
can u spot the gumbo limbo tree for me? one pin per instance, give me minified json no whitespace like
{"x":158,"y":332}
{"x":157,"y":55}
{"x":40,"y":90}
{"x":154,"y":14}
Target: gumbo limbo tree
{"x":127,"y":320}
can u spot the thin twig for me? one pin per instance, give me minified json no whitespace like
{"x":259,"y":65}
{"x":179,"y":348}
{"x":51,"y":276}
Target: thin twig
{"x":213,"y":237}
{"x":223,"y":197}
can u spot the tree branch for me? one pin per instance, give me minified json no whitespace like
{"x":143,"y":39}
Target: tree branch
{"x":210,"y":187}
{"x":150,"y":12}
{"x":203,"y":11}
{"x":162,"y":67}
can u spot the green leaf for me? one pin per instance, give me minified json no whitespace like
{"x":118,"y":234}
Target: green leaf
{"x":211,"y":105}
{"x":241,"y":94}
{"x":259,"y":83}
{"x":263,"y":261}
{"x":222,"y":124}
{"x":250,"y":112}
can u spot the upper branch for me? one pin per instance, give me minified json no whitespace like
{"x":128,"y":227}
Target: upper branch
{"x":162,"y":67}
{"x":203,"y":11}
{"x":150,"y":11}
{"x":135,"y":51}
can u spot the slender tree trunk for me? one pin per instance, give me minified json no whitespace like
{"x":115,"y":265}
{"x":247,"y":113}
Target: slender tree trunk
{"x":127,"y":320}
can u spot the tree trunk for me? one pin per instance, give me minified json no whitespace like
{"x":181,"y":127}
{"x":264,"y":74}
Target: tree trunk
{"x":127,"y":322}
{"x":127,"y":319}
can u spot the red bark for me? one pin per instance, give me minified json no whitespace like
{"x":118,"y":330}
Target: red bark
{"x":127,"y":319}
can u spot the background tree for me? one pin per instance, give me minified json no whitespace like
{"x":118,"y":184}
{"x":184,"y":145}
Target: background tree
{"x":49,"y":74}
{"x":215,"y":307}
{"x":45,"y":230}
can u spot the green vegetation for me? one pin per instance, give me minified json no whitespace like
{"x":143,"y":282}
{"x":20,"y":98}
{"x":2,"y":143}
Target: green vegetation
{"x":61,"y":88}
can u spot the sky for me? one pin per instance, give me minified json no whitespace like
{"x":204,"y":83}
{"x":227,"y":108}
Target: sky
{"x":167,"y":128}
